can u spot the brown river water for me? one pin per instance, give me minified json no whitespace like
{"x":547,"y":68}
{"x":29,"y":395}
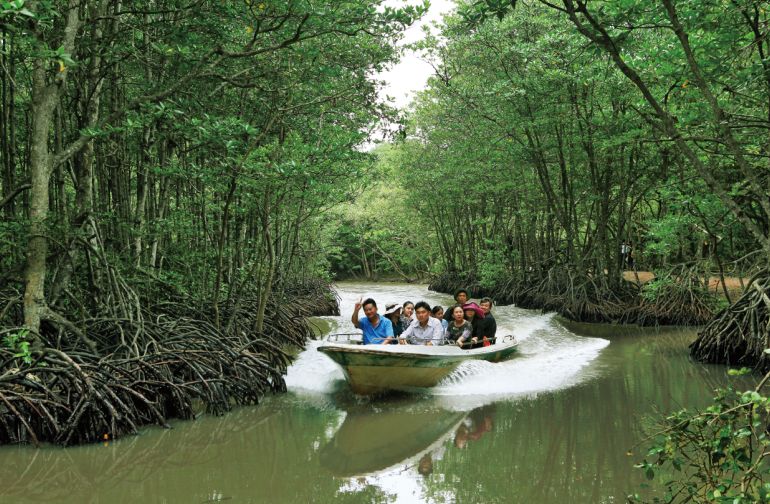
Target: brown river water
{"x":557,"y":423}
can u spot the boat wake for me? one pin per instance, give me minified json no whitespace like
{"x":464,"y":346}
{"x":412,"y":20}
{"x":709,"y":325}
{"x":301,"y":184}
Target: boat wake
{"x":313,"y":372}
{"x":550,"y":357}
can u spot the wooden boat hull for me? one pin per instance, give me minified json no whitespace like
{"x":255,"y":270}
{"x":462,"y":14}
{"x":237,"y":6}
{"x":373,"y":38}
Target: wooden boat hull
{"x":373,"y":369}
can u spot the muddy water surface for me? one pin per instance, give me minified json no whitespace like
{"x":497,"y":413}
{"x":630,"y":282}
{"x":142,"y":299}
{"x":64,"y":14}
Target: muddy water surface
{"x":552,"y":425}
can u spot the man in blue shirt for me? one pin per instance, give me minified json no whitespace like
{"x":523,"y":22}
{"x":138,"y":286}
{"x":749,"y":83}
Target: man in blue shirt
{"x":377,"y":330}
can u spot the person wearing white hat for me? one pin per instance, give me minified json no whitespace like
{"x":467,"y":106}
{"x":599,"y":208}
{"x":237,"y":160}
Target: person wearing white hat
{"x":393,"y":312}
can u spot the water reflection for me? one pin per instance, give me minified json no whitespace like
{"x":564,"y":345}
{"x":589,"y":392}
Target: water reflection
{"x":573,"y":445}
{"x":392,"y":432}
{"x":262,"y":454}
{"x":479,"y":422}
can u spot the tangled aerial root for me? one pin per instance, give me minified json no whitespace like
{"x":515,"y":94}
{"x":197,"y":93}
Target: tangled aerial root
{"x":75,"y":397}
{"x":740,"y":334}
{"x":680,"y":298}
{"x":151,"y":368}
{"x":316,"y":296}
{"x":583,"y":297}
{"x":578,"y":297}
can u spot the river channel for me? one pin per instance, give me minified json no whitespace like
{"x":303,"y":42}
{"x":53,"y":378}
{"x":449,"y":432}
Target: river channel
{"x":556,"y":423}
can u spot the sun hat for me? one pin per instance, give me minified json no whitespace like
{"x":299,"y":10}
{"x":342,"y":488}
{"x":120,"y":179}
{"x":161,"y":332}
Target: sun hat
{"x":392,"y":308}
{"x":473,"y":306}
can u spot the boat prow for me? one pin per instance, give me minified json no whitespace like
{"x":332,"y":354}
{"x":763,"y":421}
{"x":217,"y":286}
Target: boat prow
{"x":374,"y":369}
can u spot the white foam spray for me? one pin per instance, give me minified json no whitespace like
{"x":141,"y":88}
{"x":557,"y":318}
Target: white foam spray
{"x":550,"y":357}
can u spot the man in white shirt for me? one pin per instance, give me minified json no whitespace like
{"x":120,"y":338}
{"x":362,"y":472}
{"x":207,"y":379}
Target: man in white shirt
{"x":426,"y":330}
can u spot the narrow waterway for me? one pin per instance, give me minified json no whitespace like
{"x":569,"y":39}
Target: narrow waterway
{"x":556,"y":423}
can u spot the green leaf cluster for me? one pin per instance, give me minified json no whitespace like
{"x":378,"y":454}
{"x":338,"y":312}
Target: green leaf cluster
{"x":715,"y":455}
{"x":18,"y":343}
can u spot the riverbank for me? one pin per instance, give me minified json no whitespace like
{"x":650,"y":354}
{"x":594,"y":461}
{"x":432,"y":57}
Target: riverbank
{"x":174,"y":364}
{"x":680,"y":298}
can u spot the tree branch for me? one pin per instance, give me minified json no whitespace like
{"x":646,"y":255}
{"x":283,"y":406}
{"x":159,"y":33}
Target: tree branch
{"x":15,"y":193}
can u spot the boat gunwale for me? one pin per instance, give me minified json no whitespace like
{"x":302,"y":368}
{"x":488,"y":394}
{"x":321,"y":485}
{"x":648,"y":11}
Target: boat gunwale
{"x":372,"y":350}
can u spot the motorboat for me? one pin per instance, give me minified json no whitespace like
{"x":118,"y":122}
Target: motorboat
{"x":374,"y":369}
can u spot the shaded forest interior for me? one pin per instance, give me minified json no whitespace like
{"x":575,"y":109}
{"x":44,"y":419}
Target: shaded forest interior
{"x":165,"y":168}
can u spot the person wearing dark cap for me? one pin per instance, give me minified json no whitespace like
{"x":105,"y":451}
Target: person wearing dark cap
{"x":461,"y":297}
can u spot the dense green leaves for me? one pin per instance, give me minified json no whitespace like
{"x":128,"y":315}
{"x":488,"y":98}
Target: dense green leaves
{"x":518,"y":155}
{"x":201,"y":143}
{"x":702,"y":71}
{"x":380,"y":235}
{"x":531,"y":148}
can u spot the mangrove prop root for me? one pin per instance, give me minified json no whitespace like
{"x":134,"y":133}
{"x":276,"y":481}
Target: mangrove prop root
{"x":681,"y":299}
{"x":148,"y":368}
{"x":587,"y":297}
{"x":740,"y":334}
{"x":66,"y":399}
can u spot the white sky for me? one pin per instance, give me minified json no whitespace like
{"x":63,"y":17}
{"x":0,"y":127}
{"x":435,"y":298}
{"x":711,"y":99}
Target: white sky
{"x":411,"y":73}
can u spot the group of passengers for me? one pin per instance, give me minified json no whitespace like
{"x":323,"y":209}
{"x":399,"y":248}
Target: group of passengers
{"x":465,"y":324}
